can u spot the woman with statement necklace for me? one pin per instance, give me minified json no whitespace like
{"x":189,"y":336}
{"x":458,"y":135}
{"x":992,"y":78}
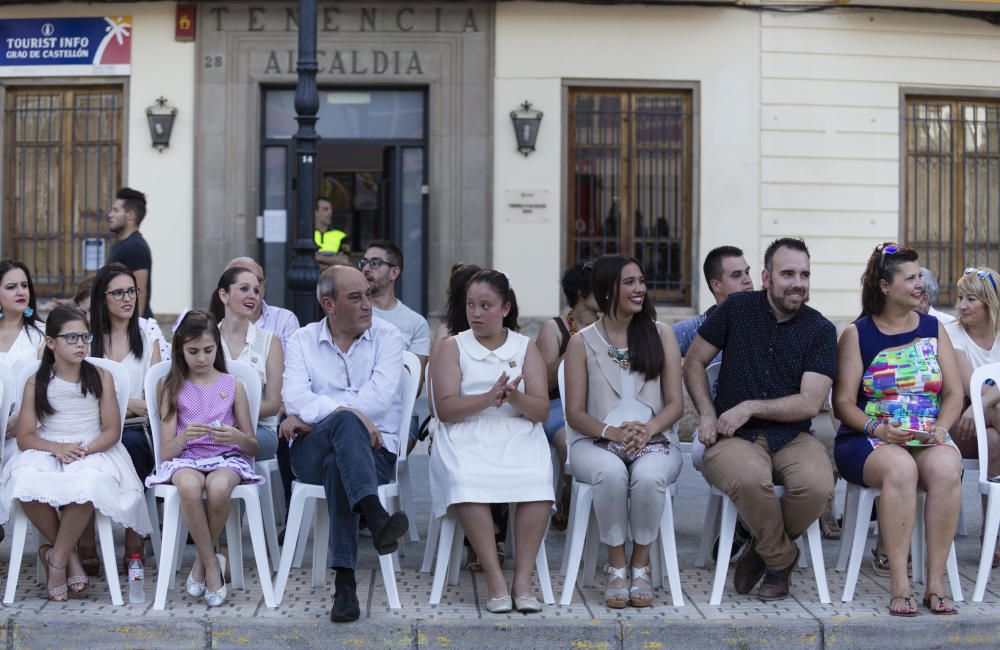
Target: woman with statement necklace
{"x":489,"y":393}
{"x":623,"y":391}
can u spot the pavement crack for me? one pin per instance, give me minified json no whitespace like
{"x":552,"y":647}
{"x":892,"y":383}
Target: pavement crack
{"x":371,"y":594}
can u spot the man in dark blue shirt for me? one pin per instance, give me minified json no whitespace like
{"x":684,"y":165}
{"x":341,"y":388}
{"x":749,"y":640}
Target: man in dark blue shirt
{"x":779,"y":361}
{"x":131,"y":249}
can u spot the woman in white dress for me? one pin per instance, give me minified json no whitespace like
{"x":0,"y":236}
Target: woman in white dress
{"x":623,"y":392}
{"x":491,"y":397}
{"x":233,"y":305}
{"x":114,"y":322}
{"x":70,"y":460}
{"x":20,"y":328}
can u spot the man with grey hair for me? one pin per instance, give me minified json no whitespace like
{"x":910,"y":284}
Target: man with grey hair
{"x":341,"y":391}
{"x":929,"y":297}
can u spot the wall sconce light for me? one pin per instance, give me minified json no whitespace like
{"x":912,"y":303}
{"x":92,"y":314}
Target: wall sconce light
{"x":161,"y":123}
{"x":526,"y":122}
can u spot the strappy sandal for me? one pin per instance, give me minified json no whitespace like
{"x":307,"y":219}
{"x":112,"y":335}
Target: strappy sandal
{"x":940,"y":610}
{"x":616,"y":597}
{"x":640,"y":596}
{"x":911,"y":606}
{"x":59,"y":593}
{"x":880,"y":564}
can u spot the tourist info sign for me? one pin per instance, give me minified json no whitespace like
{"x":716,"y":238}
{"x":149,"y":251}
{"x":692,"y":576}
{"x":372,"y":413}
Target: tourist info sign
{"x":50,"y":47}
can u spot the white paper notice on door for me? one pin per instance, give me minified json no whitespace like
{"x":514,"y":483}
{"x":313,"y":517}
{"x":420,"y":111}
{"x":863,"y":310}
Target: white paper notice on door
{"x":275,"y":226}
{"x":526,"y":206}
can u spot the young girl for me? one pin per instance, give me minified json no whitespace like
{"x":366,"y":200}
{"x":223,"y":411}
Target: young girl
{"x":71,"y":460}
{"x":201,"y":448}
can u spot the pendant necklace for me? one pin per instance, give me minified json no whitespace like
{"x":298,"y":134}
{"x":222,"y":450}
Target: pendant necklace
{"x":618,"y":355}
{"x":573,"y":329}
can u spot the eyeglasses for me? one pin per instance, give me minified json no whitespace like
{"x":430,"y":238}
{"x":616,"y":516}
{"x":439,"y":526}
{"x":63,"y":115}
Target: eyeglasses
{"x":75,"y":337}
{"x":886,"y":249}
{"x":374,"y":262}
{"x":982,"y":276}
{"x":119,"y":294}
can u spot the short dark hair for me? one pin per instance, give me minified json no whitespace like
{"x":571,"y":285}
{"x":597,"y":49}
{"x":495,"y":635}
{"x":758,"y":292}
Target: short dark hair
{"x":321,"y":198}
{"x":575,"y":283}
{"x":712,"y":268}
{"x":793,"y":243}
{"x":133,"y":201}
{"x":392,"y":252}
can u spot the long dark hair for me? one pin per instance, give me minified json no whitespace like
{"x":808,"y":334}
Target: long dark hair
{"x":228,"y":278}
{"x":882,"y":265}
{"x":90,"y":377}
{"x":645,"y":350}
{"x":454,"y":316}
{"x":100,"y":319}
{"x":499,"y":283}
{"x":194,"y":324}
{"x":32,"y":320}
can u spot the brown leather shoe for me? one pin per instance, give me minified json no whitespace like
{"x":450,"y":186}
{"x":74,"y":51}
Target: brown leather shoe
{"x":749,"y":570}
{"x":775,"y":585}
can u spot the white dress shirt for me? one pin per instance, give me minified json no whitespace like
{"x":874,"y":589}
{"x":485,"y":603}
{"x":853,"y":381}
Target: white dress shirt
{"x":319,"y":378}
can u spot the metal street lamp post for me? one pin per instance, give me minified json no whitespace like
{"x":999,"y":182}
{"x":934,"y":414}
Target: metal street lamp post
{"x":303,"y":272}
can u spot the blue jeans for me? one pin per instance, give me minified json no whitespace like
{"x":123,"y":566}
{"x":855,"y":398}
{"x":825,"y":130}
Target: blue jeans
{"x":337,"y":454}
{"x":267,"y":442}
{"x":137,"y":445}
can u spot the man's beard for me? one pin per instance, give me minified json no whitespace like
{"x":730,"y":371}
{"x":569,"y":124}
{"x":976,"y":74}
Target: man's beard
{"x":786,"y":306}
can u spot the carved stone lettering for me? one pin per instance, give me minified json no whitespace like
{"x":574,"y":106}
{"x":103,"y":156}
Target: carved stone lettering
{"x":254,"y":21}
{"x":330,"y":16}
{"x":291,"y":19}
{"x":350,"y":62}
{"x":367,"y":18}
{"x":407,"y":25}
{"x":218,"y":11}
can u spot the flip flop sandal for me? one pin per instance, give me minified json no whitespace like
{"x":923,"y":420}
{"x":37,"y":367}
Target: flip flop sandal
{"x":940,"y":610}
{"x":911,"y":610}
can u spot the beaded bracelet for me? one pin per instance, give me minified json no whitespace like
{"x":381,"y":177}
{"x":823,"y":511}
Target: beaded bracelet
{"x":604,"y":431}
{"x":868,"y":426}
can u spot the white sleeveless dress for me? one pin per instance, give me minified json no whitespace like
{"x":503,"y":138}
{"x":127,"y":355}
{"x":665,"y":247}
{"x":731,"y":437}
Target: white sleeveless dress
{"x":107,"y":479}
{"x":497,"y":456}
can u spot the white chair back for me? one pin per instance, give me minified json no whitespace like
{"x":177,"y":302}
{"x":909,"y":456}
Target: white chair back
{"x":571,"y":435}
{"x":713,"y":376}
{"x":250,"y":379}
{"x":408,"y":388}
{"x":990,"y":371}
{"x":26,"y":369}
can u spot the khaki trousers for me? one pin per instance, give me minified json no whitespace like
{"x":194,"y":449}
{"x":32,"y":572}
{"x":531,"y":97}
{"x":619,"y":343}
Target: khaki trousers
{"x":747,"y":473}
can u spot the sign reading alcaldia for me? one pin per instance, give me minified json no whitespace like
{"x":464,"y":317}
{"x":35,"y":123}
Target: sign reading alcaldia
{"x":47,"y":47}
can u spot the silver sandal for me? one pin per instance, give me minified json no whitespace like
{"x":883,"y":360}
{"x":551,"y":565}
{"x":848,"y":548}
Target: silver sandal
{"x":616,"y":597}
{"x":640,"y":596}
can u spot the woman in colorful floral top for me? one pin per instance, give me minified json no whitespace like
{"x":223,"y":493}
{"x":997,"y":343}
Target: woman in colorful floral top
{"x":897,"y":393}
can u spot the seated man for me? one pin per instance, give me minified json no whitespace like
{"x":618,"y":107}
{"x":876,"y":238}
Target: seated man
{"x":341,"y":392}
{"x":779,"y":363}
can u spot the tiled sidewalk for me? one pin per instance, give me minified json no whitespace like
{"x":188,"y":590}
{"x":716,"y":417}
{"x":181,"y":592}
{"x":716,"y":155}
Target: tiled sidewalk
{"x":741,"y":620}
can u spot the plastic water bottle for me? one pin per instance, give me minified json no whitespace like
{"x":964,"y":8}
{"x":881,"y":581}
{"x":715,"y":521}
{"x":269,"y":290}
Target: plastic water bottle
{"x":136,"y":591}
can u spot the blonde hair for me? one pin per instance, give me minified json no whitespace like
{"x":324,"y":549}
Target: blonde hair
{"x":985,"y":289}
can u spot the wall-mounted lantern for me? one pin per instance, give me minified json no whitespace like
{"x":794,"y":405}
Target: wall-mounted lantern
{"x":526,"y":122}
{"x":161,"y":122}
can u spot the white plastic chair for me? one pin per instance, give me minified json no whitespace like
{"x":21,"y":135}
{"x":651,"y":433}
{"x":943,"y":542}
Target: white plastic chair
{"x":582,"y":534}
{"x":389,"y":495}
{"x":992,"y":522}
{"x":171,"y":548}
{"x":17,"y":514}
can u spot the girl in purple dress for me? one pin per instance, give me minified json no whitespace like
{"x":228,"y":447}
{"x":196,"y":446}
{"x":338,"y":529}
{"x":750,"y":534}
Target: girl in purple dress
{"x":207,"y":443}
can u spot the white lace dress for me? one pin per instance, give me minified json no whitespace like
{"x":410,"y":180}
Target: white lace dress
{"x":107,"y":479}
{"x":497,"y":456}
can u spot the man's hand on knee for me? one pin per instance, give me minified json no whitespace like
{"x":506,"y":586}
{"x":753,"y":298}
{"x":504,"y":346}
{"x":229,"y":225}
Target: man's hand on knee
{"x":292,"y":427}
{"x":373,"y":432}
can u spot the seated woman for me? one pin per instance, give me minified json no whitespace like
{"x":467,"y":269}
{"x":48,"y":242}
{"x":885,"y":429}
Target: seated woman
{"x":232,"y":306}
{"x":976,"y":337}
{"x":623,"y":391}
{"x":71,"y":461}
{"x":552,"y":342}
{"x":20,"y":328}
{"x":489,"y":389}
{"x":897,"y":393}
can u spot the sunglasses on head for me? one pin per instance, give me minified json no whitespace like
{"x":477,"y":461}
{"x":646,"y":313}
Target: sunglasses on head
{"x":886,"y":249}
{"x":982,"y":276}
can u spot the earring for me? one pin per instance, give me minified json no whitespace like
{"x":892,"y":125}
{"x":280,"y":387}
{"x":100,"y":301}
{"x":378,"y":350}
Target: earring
{"x":29,"y":312}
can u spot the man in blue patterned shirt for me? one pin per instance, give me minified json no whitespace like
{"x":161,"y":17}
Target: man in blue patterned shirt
{"x":726,"y":272}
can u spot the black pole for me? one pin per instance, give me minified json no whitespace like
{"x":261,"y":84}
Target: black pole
{"x":303,"y":272}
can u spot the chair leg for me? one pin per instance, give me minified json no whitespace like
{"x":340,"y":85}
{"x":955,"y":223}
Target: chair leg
{"x":953,"y":577}
{"x":847,"y":533}
{"x":576,"y":533}
{"x":866,"y":499}
{"x":300,"y":547}
{"x":591,"y":548}
{"x":444,"y":543}
{"x":708,"y":530}
{"x":569,"y":530}
{"x":405,"y":488}
{"x":803,"y":561}
{"x":270,"y":526}
{"x":18,"y":535}
{"x":154,"y":525}
{"x":918,"y":544}
{"x":292,"y":525}
{"x":542,"y":570}
{"x":107,"y":540}
{"x":234,"y":536}
{"x":179,"y":545}
{"x":815,"y":538}
{"x":990,"y":529}
{"x":321,"y":543}
{"x":255,"y":521}
{"x":727,"y":528}
{"x":165,"y":569}
{"x":455,"y":558}
{"x":433,"y":530}
{"x":668,"y":543}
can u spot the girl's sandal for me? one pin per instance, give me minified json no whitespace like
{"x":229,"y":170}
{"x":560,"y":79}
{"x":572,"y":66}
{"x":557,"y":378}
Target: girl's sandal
{"x":59,"y":593}
{"x":616,"y":597}
{"x":911,"y":606}
{"x":939,"y":609}
{"x":640,"y":596}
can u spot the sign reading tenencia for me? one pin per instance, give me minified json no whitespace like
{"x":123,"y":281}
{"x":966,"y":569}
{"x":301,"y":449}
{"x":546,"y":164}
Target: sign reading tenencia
{"x":47,"y":47}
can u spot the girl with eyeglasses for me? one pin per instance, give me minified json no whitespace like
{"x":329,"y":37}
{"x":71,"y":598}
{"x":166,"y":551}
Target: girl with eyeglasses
{"x":976,"y":335}
{"x":70,"y":460}
{"x":114,"y":321}
{"x":897,"y":393}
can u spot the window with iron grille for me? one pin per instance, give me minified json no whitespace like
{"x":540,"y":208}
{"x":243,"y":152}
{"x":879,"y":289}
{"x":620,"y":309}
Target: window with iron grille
{"x":62,"y":166}
{"x":630,"y":186}
{"x":952,"y":186}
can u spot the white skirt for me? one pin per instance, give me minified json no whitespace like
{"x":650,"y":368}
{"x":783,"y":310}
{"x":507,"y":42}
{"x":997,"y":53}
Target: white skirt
{"x":490,"y":459}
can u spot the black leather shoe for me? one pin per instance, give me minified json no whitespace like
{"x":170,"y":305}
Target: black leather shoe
{"x":386,"y":533}
{"x":345,"y":606}
{"x":775,"y":585}
{"x":749,"y":570}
